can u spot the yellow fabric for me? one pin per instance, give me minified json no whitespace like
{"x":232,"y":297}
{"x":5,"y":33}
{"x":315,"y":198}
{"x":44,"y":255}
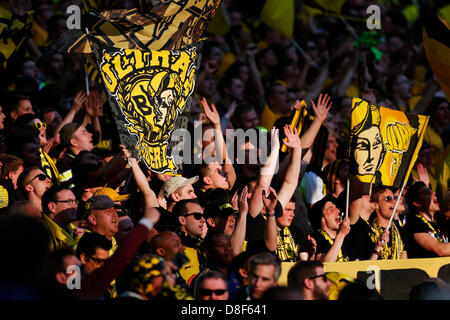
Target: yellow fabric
{"x":173,"y":25}
{"x":411,"y":13}
{"x":40,"y":35}
{"x":59,"y":238}
{"x":331,"y":5}
{"x":219,"y":24}
{"x":401,"y":140}
{"x":48,"y":165}
{"x":192,"y":268}
{"x":437,"y":54}
{"x":269,"y":117}
{"x":280,"y":16}
{"x":444,"y":12}
{"x":4,"y":197}
{"x":352,"y":91}
{"x":228,"y":59}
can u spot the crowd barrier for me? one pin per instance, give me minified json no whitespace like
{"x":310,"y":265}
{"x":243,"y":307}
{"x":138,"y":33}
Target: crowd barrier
{"x":392,"y":278}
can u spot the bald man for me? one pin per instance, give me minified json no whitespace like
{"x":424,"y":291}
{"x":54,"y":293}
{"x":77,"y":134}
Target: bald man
{"x":167,"y":245}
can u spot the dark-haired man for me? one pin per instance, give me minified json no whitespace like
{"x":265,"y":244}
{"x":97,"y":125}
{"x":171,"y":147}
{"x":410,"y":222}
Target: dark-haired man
{"x":426,"y":239}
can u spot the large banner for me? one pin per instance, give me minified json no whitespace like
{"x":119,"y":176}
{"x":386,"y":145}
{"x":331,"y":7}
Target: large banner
{"x":147,"y":57}
{"x":384,"y":143}
{"x":394,"y":279}
{"x":148,"y":90}
{"x":152,"y":24}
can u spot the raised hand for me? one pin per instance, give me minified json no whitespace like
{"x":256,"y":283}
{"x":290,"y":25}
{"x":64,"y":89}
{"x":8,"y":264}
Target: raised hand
{"x":293,"y":140}
{"x":270,"y":199}
{"x":322,"y":108}
{"x":79,"y":100}
{"x":383,"y":239}
{"x":211,"y":113}
{"x":423,"y":174}
{"x":243,"y":201}
{"x":344,"y":227}
{"x":235,"y":201}
{"x":274,"y":140}
{"x":311,"y":247}
{"x":231,"y":109}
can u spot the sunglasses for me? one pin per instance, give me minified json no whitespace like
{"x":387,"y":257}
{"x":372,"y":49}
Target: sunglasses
{"x":197,"y":215}
{"x":390,"y":198}
{"x":41,"y":176}
{"x":97,"y":260}
{"x":323,"y":275}
{"x":39,"y":125}
{"x":208,"y":292}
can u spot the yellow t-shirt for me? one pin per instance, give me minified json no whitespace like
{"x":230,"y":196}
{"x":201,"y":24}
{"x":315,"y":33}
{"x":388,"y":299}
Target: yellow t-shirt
{"x":192,"y":268}
{"x":268,"y":118}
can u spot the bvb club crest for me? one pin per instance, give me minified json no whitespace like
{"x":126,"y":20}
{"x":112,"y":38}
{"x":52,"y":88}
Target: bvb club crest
{"x":151,"y":88}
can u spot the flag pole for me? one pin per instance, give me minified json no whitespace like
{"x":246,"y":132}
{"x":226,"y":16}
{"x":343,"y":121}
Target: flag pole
{"x":395,"y":207}
{"x":347,"y":200}
{"x":86,"y":72}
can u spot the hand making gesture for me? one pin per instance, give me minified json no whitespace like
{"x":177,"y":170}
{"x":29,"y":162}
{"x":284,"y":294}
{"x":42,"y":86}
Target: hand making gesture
{"x":322,"y":108}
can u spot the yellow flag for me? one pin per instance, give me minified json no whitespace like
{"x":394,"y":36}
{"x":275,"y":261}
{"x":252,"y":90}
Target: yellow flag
{"x":436,"y":41}
{"x":280,"y":16}
{"x":331,"y":5}
{"x":384,"y":143}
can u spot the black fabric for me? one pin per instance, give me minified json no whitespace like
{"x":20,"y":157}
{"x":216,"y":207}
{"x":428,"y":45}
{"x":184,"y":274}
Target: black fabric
{"x":361,"y":247}
{"x":417,"y":225}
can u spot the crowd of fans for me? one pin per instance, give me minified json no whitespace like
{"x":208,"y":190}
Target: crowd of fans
{"x":82,"y":219}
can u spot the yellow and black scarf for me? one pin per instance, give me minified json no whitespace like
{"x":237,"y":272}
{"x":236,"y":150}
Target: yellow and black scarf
{"x":391,"y":250}
{"x":340,"y":257}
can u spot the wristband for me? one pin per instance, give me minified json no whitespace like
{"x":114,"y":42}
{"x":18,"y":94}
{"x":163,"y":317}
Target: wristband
{"x":270,"y":215}
{"x":146,"y":222}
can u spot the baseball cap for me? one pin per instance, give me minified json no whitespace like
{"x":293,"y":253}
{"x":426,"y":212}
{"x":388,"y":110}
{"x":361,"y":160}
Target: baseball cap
{"x":66,"y":132}
{"x":99,"y":202}
{"x":219,"y":209}
{"x":113,"y":194}
{"x":177,"y":182}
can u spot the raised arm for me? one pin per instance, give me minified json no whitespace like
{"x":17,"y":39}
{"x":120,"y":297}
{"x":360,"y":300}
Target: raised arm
{"x":265,"y":176}
{"x":332,"y":254}
{"x":221,"y":148}
{"x":321,"y":112}
{"x":270,"y":199}
{"x":150,"y":199}
{"x":77,"y":104}
{"x":293,"y":171}
{"x":238,"y":236}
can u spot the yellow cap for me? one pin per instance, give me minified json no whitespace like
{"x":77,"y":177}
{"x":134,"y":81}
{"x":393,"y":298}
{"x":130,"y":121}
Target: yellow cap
{"x":114,"y":195}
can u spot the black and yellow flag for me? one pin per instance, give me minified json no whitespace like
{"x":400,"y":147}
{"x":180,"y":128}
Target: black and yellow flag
{"x":152,"y":25}
{"x":384,"y":143}
{"x":14,"y":30}
{"x":147,"y":92}
{"x":147,"y":58}
{"x":436,"y":41}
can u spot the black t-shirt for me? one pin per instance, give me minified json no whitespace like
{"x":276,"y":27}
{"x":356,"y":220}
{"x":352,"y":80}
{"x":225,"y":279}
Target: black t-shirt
{"x":360,"y":244}
{"x":323,"y":245}
{"x":417,"y":225}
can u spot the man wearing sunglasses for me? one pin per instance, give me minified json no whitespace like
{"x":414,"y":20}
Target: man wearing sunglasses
{"x":387,"y":244}
{"x":211,"y":285}
{"x":46,"y":162}
{"x":33,"y":182}
{"x":310,"y":279}
{"x":191,"y":223}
